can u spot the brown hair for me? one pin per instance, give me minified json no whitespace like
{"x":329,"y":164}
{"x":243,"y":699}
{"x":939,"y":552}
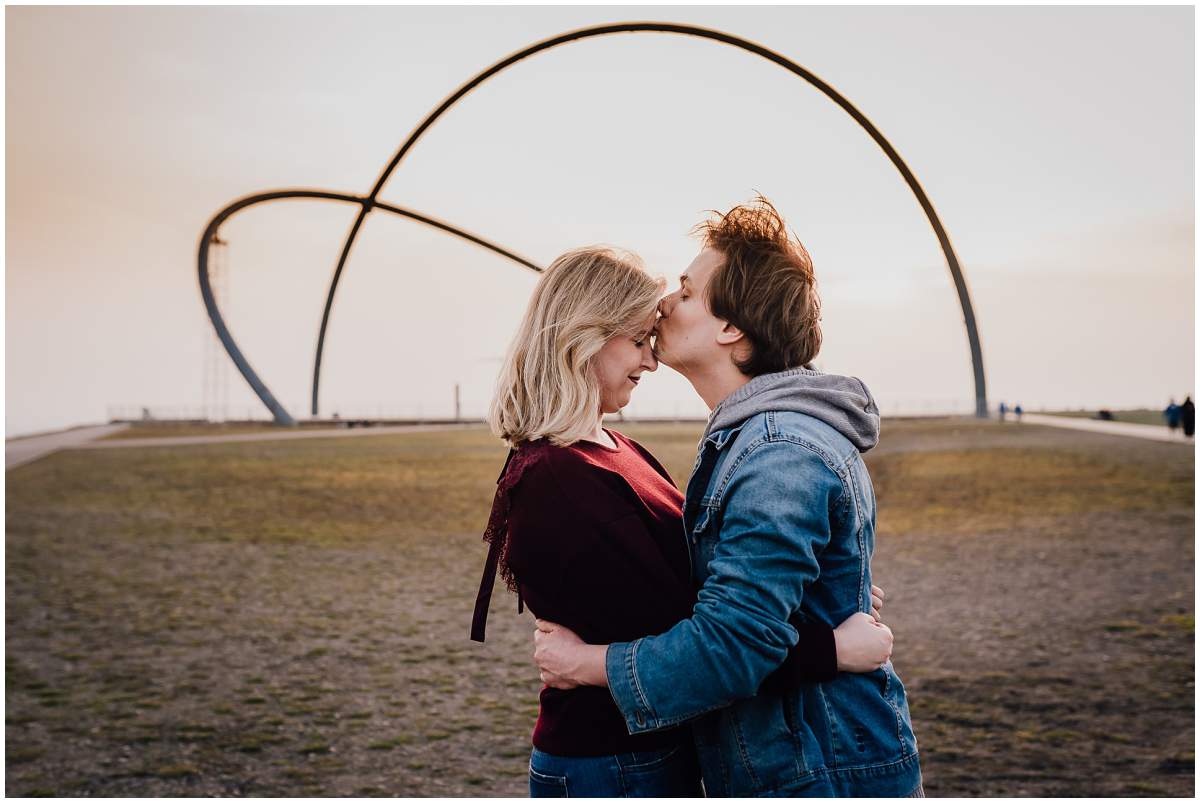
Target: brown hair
{"x":765,"y":287}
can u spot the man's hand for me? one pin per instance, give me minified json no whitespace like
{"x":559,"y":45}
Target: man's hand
{"x":863,"y":645}
{"x":565,"y":660}
{"x":877,"y":603}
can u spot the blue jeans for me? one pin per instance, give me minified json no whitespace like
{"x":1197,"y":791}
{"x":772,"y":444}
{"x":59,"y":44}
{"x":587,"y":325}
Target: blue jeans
{"x":673,"y":772}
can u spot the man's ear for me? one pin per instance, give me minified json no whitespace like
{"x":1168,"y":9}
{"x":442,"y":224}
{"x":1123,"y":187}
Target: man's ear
{"x":730,"y":335}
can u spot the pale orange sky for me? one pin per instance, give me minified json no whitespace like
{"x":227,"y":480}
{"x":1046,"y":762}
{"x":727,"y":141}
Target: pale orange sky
{"x":1056,"y":143}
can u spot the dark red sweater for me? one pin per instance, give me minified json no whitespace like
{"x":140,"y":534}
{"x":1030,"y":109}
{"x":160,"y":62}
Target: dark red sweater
{"x":595,"y":542}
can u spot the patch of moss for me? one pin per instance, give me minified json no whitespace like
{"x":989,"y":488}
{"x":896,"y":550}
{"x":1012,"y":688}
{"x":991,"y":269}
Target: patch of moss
{"x":176,"y":771}
{"x":315,"y":748}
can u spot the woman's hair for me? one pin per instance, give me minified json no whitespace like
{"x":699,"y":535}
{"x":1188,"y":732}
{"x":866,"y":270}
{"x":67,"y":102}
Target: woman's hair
{"x":547,"y":388}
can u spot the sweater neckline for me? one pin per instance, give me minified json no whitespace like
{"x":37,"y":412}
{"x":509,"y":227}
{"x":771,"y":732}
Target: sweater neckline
{"x":601,"y":445}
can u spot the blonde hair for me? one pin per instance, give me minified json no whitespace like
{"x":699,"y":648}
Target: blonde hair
{"x":547,"y":388}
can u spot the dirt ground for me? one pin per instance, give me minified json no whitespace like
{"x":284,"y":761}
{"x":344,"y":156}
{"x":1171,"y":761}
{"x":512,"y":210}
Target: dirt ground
{"x":291,"y":618}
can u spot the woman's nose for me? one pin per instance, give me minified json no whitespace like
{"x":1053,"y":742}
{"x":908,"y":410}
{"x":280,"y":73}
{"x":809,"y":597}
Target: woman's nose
{"x":649,"y":360}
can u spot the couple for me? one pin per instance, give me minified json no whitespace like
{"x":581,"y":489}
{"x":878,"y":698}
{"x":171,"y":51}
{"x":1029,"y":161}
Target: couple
{"x":688,"y":638}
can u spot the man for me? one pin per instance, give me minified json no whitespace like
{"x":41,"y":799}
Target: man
{"x":781,"y":513}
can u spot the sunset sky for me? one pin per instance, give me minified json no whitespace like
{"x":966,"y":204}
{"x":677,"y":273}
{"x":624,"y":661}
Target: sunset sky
{"x":1058,"y":145}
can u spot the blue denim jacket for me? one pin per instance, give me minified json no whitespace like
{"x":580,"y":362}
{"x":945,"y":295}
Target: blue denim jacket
{"x":780,"y":513}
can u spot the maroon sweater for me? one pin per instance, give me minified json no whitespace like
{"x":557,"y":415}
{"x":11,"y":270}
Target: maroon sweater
{"x":595,"y":543}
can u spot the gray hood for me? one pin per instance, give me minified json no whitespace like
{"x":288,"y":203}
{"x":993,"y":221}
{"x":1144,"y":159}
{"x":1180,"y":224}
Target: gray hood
{"x":842,"y":402}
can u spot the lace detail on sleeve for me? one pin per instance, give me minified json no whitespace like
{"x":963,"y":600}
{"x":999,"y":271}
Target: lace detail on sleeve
{"x":496,"y":532}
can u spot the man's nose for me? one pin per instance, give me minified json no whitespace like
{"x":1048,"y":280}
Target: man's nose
{"x":664,"y":305}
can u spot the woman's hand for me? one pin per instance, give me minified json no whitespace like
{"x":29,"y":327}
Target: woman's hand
{"x":565,"y":660}
{"x":863,"y":645}
{"x":877,"y":603}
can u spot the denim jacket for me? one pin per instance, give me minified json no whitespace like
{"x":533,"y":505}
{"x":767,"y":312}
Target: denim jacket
{"x":780,"y":514}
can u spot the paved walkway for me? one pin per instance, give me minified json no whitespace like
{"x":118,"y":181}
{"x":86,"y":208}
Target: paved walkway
{"x":19,"y":451}
{"x":1146,"y":431}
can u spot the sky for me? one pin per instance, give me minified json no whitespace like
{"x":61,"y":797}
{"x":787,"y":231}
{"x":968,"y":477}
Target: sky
{"x":1057,"y":145}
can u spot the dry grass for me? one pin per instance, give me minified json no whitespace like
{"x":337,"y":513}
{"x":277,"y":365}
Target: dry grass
{"x":171,"y":429}
{"x":959,"y":490}
{"x":290,"y":618}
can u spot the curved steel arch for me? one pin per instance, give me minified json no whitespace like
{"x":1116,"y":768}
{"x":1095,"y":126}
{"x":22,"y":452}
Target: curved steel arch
{"x":369,"y":203}
{"x":214,"y":313}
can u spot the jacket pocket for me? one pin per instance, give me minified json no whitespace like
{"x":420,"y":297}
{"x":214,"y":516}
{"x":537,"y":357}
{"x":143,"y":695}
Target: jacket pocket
{"x":764,"y":738}
{"x":869,"y":718}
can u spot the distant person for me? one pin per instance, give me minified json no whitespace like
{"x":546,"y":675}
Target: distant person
{"x":1003,"y":412}
{"x":1105,"y":415}
{"x":1174,"y":415}
{"x":1187,"y":417}
{"x":587,"y":528}
{"x":1018,"y":412}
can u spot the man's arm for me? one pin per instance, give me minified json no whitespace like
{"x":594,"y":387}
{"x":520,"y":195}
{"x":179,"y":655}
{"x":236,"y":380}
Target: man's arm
{"x":861,"y":643}
{"x":775,"y":523}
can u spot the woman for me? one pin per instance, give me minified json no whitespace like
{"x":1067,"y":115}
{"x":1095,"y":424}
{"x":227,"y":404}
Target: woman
{"x":586,"y":526}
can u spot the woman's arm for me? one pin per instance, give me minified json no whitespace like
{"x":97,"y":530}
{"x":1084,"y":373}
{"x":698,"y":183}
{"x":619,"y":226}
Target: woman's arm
{"x":860,"y":644}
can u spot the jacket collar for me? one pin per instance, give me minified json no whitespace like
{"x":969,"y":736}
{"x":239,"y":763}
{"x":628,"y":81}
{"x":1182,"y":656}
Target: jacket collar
{"x":721,"y":437}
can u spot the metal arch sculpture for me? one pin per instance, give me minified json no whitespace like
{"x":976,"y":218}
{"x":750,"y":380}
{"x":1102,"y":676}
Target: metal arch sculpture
{"x":370,"y":203}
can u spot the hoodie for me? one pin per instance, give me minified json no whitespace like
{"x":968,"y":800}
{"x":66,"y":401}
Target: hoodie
{"x":842,"y":402}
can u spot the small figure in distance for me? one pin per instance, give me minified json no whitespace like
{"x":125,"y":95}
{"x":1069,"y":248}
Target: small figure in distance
{"x":1173,"y":414}
{"x":1187,"y":415}
{"x":1105,"y":415}
{"x":1003,"y":412}
{"x":1018,"y":412}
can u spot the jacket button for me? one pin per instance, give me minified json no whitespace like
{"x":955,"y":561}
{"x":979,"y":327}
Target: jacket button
{"x":641,"y":720}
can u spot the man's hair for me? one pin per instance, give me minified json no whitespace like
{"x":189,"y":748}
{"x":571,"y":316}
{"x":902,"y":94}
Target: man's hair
{"x":765,"y":287}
